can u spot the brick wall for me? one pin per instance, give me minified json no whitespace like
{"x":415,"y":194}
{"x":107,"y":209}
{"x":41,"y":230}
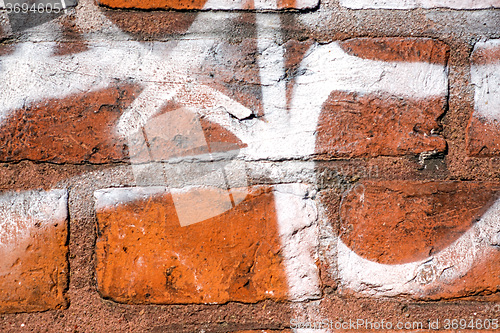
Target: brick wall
{"x":250,"y":166}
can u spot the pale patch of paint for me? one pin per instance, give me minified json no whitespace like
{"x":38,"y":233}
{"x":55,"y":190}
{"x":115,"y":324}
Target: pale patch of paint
{"x":409,"y":4}
{"x":298,"y":229}
{"x":375,"y":279}
{"x":22,"y":213}
{"x":486,"y":79}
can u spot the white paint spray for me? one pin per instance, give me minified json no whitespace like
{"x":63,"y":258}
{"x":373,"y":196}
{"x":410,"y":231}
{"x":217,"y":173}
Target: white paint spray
{"x":19,"y":212}
{"x":409,"y":4}
{"x":486,"y":80}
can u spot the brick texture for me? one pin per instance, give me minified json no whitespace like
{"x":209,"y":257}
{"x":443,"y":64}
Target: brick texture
{"x":243,"y":166}
{"x":33,"y":236}
{"x":484,"y":126}
{"x":353,"y":125}
{"x":145,"y":256}
{"x":434,"y":224}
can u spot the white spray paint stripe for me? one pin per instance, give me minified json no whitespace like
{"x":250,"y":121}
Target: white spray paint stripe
{"x":486,"y":79}
{"x":375,"y":279}
{"x":409,"y":4}
{"x":271,"y":62}
{"x":31,"y":75}
{"x":298,"y":229}
{"x":295,"y":215}
{"x":327,"y":68}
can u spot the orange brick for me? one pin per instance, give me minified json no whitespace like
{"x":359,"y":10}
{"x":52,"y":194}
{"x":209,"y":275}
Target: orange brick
{"x":404,"y":221}
{"x":33,"y":235}
{"x":366,"y":124}
{"x":356,"y":125}
{"x":394,"y":223}
{"x":145,"y":256}
{"x":77,"y":129}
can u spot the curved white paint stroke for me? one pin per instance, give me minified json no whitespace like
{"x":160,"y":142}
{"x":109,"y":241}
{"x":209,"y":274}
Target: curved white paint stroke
{"x":486,"y":79}
{"x":375,"y":279}
{"x":410,"y":4}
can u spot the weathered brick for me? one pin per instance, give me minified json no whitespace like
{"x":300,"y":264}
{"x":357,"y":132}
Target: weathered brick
{"x":430,"y":239}
{"x":372,"y":123}
{"x":354,"y":125}
{"x":145,"y":256}
{"x":203,"y":4}
{"x":401,"y":221}
{"x":80,"y":128}
{"x":483,"y":132}
{"x":33,"y":235}
{"x":398,"y":49}
{"x":408,"y":4}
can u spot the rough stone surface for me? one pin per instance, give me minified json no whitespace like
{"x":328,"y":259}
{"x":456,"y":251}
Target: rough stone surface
{"x":265,"y":80}
{"x":145,"y":256}
{"x":33,"y":236}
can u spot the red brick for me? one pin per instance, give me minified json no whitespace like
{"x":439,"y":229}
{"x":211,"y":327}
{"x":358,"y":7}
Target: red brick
{"x":354,"y":125}
{"x":403,"y":221}
{"x":82,"y":129}
{"x":145,"y":256}
{"x":398,"y":49}
{"x":33,"y":235}
{"x":483,"y":137}
{"x":483,"y":130}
